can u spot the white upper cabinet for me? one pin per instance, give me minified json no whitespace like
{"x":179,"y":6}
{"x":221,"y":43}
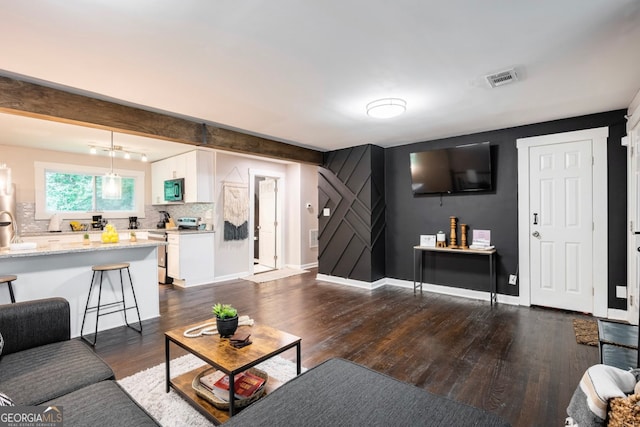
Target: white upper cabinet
{"x":197,"y":169}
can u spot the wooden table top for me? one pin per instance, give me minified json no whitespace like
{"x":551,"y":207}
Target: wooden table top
{"x":217,"y":351}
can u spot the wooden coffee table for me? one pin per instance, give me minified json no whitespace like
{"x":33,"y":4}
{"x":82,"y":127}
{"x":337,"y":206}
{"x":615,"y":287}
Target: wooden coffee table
{"x":217,"y":352}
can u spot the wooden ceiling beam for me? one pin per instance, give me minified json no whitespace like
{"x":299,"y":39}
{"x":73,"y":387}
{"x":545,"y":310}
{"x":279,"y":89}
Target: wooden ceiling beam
{"x":33,"y":100}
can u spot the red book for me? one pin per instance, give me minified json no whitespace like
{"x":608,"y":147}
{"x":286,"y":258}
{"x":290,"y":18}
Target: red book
{"x":244,"y":385}
{"x":247,"y":385}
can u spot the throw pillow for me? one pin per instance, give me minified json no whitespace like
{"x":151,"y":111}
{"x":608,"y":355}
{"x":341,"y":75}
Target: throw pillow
{"x":5,"y":400}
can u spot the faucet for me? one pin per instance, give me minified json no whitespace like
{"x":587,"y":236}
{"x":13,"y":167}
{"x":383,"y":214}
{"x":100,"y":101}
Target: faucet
{"x":14,"y":232}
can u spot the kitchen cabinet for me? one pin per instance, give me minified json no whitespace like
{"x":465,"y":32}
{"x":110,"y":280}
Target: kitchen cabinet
{"x":197,"y":169}
{"x":190,"y":258}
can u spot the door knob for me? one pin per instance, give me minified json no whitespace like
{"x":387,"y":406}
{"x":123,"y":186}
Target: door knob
{"x":536,"y":234}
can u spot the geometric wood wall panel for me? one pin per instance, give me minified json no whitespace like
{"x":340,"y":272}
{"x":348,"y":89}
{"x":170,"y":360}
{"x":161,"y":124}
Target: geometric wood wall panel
{"x":351,"y":185}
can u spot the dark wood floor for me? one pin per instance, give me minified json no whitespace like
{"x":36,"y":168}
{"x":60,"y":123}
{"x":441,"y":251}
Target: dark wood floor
{"x":521,"y":363}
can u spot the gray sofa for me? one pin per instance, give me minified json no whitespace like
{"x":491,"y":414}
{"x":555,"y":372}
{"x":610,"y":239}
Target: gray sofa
{"x":342,"y":393}
{"x":41,"y":365}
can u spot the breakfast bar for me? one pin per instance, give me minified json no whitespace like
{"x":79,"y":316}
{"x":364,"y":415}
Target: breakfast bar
{"x":64,"y":270}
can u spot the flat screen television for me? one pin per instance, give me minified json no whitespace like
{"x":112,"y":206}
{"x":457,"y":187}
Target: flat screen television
{"x":452,"y":170}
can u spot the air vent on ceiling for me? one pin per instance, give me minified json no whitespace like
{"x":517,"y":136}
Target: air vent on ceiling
{"x":502,"y":78}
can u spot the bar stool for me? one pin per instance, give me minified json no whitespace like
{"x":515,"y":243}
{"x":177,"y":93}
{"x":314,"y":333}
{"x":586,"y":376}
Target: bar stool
{"x":101,"y":269}
{"x":8,"y":279}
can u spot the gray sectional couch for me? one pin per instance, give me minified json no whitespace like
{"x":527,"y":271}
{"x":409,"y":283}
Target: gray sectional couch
{"x":339,"y":392}
{"x":41,"y":365}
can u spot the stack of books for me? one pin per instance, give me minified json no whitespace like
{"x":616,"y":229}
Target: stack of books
{"x":481,"y":240}
{"x":245,"y":384}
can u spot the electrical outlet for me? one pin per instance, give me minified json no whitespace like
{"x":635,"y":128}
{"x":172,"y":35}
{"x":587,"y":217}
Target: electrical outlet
{"x":513,"y":279}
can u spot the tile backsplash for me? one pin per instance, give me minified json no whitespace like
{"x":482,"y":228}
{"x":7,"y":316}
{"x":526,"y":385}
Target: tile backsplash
{"x":27,"y":224}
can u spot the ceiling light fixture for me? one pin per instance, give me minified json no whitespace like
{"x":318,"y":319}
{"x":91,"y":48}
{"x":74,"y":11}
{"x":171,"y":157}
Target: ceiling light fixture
{"x":114,"y":150}
{"x":111,"y":182}
{"x":386,"y":108}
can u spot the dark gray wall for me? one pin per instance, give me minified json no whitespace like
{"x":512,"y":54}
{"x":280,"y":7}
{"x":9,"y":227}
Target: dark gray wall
{"x":409,"y":216}
{"x":352,"y":239}
{"x":355,"y":182}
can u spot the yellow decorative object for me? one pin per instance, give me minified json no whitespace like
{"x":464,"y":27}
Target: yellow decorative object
{"x":110,"y":234}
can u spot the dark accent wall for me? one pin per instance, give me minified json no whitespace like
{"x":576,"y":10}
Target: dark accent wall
{"x":408,"y":216}
{"x":352,"y":238}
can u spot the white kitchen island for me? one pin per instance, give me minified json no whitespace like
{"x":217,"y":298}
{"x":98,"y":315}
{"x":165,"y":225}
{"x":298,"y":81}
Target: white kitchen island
{"x":64,"y":270}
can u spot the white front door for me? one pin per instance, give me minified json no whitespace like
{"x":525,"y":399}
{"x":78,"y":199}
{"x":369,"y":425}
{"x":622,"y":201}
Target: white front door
{"x":267,"y":193}
{"x":561,"y":225}
{"x":563,"y":179}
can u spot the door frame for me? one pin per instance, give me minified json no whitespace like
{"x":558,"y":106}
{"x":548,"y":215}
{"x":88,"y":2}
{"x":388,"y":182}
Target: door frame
{"x":600,"y":270}
{"x":280,"y":197}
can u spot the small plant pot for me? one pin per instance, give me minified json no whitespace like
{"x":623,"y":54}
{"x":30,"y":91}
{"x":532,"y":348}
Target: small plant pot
{"x":227,"y":327}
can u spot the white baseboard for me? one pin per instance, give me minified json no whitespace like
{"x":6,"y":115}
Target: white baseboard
{"x":350,"y":282}
{"x":439,"y":289}
{"x":234,"y":276}
{"x":303,"y":266}
{"x":309,"y":265}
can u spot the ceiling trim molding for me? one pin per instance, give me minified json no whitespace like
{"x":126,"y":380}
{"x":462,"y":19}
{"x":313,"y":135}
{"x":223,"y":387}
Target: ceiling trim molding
{"x":33,"y":100}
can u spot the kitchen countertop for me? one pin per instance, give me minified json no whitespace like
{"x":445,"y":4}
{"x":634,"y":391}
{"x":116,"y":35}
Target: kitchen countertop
{"x":90,"y":231}
{"x":73,"y":247}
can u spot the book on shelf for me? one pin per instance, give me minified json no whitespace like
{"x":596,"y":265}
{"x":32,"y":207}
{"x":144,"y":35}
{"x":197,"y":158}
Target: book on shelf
{"x":481,"y":247}
{"x":245,"y":384}
{"x":209,"y":380}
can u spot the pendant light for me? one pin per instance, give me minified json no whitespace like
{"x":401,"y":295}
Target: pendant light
{"x":111,"y":182}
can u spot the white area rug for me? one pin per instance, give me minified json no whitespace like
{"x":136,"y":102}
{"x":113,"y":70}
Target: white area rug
{"x":148,"y":389}
{"x":274,"y":275}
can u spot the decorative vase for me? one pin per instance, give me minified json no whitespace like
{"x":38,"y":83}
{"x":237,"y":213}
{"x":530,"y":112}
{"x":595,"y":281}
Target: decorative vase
{"x":227,"y":327}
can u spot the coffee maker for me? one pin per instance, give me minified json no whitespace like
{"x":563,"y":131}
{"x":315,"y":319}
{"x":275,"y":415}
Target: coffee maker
{"x":97,"y":223}
{"x":133,"y":223}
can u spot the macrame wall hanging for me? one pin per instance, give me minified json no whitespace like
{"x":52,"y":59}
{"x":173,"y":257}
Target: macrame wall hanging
{"x":236,"y":211}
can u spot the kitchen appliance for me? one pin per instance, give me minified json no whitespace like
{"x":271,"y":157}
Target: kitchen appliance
{"x":55,"y":223}
{"x":161,"y":235}
{"x":163,"y":220}
{"x":174,"y":190}
{"x":97,"y":223}
{"x":189,"y":223}
{"x":133,"y":223}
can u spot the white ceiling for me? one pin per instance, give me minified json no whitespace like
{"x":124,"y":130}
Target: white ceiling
{"x":303,"y":71}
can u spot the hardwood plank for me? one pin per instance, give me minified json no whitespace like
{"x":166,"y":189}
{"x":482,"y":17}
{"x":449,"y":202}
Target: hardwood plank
{"x":38,"y":101}
{"x":522,"y":363}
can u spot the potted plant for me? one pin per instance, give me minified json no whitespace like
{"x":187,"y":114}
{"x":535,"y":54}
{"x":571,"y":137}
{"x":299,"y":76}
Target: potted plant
{"x":85,"y":239}
{"x":133,"y":236}
{"x":226,"y":319}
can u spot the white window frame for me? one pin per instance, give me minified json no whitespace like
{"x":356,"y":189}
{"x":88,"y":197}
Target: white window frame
{"x":42,"y":213}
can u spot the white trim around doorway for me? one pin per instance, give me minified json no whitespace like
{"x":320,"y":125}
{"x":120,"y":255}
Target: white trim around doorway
{"x":279,"y":215}
{"x":600,"y":216}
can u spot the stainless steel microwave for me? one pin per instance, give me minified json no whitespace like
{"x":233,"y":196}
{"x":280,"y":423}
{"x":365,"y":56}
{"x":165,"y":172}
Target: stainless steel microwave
{"x":174,"y":190}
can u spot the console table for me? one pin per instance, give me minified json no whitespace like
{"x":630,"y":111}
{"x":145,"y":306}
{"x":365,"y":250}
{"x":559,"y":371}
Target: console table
{"x":490,"y":254}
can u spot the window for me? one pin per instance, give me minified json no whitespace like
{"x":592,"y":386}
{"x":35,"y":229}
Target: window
{"x":76,"y":192}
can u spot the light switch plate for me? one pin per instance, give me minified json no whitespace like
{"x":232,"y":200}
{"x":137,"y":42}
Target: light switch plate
{"x":513,"y":279}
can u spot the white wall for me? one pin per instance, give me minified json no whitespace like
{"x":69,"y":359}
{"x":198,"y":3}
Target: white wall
{"x":231,"y":258}
{"x":21,"y":159}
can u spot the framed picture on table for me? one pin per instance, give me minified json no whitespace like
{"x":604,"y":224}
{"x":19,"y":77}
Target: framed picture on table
{"x":428,"y":240}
